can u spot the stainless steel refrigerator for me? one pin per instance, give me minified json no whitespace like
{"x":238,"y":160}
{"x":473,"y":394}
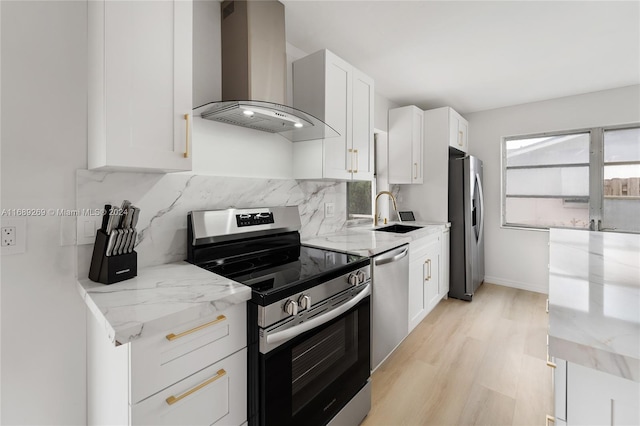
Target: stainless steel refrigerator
{"x":466,"y":214}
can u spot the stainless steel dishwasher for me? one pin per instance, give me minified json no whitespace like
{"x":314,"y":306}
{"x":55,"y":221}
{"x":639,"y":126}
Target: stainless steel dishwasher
{"x":390,"y":300}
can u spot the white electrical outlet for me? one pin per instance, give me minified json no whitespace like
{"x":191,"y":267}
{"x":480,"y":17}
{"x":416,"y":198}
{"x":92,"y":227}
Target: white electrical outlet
{"x":329,"y":209}
{"x":8,"y":236}
{"x":13,"y":235}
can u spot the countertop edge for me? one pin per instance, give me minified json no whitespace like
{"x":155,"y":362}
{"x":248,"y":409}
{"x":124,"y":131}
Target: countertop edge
{"x":626,"y":367}
{"x":352,"y":239}
{"x":131,"y":329}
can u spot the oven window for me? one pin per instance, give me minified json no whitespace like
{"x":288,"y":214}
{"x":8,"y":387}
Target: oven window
{"x":318,"y":361}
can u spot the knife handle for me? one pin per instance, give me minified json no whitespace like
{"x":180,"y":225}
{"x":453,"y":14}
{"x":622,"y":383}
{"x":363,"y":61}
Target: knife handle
{"x":105,"y":217}
{"x":111,"y":243}
{"x":119,"y":242}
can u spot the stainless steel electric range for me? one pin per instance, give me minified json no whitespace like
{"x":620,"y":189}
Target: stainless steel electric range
{"x":308,"y":318}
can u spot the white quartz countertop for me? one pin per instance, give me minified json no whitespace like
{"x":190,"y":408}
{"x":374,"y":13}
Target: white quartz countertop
{"x":159,"y":297}
{"x":365,"y":241}
{"x":594,"y":300}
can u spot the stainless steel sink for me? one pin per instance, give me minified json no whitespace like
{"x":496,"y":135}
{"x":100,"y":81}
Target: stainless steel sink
{"x":398,"y":229}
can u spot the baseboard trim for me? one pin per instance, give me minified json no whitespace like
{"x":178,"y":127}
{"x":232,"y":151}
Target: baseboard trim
{"x":515,"y":284}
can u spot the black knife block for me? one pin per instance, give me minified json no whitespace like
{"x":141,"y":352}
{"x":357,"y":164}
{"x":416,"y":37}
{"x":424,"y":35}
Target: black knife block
{"x":111,"y":269}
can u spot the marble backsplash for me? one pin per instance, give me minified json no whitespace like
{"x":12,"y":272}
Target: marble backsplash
{"x":165,"y":200}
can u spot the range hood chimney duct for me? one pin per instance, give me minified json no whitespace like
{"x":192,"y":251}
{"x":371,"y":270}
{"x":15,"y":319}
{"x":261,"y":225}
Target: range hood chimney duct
{"x":254,"y":73}
{"x":253,"y":51}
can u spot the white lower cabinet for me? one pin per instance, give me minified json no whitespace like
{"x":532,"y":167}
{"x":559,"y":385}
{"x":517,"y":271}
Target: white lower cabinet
{"x":444,"y":264}
{"x":594,"y":397}
{"x":191,"y":373}
{"x":215,"y":395}
{"x":424,"y":277}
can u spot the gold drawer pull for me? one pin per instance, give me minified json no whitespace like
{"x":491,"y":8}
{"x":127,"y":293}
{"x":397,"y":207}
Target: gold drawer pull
{"x":550,"y":419}
{"x":198,"y":328}
{"x":173,"y":399}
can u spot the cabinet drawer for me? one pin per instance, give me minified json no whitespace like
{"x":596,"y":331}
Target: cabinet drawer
{"x":216,"y":395}
{"x":158,"y":362}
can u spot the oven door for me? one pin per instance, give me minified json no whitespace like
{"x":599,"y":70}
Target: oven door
{"x":309,"y":378}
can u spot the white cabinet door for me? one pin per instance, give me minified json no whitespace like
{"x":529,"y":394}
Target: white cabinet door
{"x":338,"y":157}
{"x":331,"y":89}
{"x":458,"y":127}
{"x":216,"y":395}
{"x":444,"y":263}
{"x":140,"y":85}
{"x":598,"y":398}
{"x":417,"y":308}
{"x":362,"y":129}
{"x":406,"y":142}
{"x":424,"y":278}
{"x":432,"y":275}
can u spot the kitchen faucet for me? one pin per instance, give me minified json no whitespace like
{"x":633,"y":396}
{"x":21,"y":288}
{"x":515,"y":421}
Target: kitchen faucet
{"x":395,"y":206}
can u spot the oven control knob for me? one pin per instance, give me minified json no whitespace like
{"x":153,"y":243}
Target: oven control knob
{"x":291,"y":307}
{"x":304,"y":301}
{"x":352,"y":279}
{"x":362,"y":277}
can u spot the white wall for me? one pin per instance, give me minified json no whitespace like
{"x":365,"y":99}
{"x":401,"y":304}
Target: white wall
{"x":44,"y":138}
{"x":519,"y":258}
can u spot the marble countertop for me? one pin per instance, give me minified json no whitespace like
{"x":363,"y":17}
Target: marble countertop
{"x":594,"y":300}
{"x":159,"y":297}
{"x":365,"y":241}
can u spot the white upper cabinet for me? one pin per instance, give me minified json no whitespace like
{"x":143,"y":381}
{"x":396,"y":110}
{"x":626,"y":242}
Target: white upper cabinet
{"x":458,"y":128}
{"x":332,"y":90}
{"x":140,"y":85}
{"x":406,"y":145}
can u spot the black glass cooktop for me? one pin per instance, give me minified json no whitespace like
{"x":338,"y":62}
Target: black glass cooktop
{"x":280,"y":273}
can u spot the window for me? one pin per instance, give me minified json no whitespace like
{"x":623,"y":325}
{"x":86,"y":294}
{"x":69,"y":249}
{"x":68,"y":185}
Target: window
{"x":582,"y":179}
{"x":359,"y":195}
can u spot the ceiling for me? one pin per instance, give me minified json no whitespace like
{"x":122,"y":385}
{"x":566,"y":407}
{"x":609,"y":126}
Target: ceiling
{"x":476,"y":55}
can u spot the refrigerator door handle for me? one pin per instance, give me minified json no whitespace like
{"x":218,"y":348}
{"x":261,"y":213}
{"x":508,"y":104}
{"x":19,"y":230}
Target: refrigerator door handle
{"x":479,"y":181}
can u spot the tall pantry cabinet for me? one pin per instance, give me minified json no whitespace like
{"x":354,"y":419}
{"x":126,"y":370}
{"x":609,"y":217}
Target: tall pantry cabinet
{"x":443,"y":128}
{"x":334,"y":91}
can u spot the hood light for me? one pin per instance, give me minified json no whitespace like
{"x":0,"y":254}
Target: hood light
{"x":248,"y":113}
{"x":298,"y":125}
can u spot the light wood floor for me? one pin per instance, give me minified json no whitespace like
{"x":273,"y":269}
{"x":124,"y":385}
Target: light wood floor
{"x":478,"y":363}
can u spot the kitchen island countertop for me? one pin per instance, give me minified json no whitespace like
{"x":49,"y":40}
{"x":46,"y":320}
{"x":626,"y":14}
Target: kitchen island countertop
{"x":594,"y":300}
{"x":159,"y":297}
{"x":364,"y":240}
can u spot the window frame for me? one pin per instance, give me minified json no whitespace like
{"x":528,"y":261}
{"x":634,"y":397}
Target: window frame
{"x":596,"y":166}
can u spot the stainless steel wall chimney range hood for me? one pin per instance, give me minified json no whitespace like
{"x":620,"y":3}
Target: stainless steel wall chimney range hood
{"x":254,"y":74}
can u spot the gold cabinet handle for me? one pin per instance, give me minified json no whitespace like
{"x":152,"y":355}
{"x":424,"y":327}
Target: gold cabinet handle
{"x":550,"y":419}
{"x":173,"y":399}
{"x":428,"y":263}
{"x":198,"y":328}
{"x":187,"y":117}
{"x":460,"y":137}
{"x":350,"y":151}
{"x":551,"y":363}
{"x":355,"y":151}
{"x":415,"y":174}
{"x":547,"y":309}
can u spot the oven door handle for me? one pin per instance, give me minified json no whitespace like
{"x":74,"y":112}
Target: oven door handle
{"x":319,"y":320}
